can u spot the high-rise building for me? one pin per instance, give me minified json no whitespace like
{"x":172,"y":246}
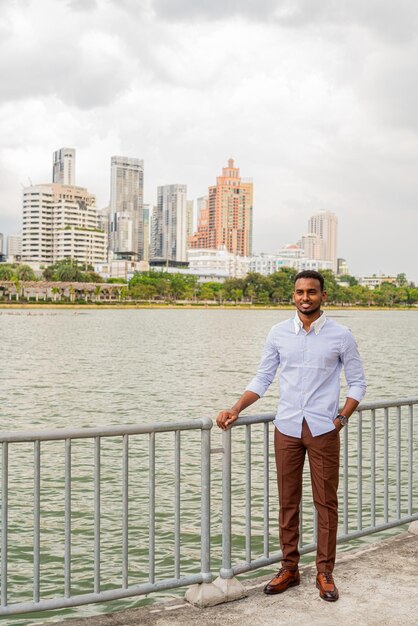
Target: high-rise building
{"x":169,"y":224}
{"x":342,"y":267}
{"x":14,"y":248}
{"x":230,"y":214}
{"x":200,"y":240}
{"x":1,"y":244}
{"x":126,"y":222}
{"x":313,"y":246}
{"x":63,"y":166}
{"x":190,"y":208}
{"x":59,"y":222}
{"x":156,"y":226}
{"x":325,"y":224}
{"x":147,"y":218}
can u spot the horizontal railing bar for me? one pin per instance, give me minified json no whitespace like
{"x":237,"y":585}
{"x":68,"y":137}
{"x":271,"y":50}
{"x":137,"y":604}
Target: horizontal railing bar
{"x":103,"y":431}
{"x":138,"y":429}
{"x":241,"y":568}
{"x":103,"y":596}
{"x":263,"y":561}
{"x":370,"y":530}
{"x":382,"y":404}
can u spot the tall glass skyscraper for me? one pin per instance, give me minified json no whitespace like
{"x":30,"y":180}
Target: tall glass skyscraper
{"x":126,"y":220}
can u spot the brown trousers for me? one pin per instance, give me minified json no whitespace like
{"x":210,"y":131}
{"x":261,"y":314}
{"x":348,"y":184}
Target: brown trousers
{"x":324,"y":461}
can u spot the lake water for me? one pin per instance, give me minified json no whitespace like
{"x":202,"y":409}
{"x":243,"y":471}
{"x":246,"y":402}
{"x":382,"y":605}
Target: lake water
{"x":68,"y":368}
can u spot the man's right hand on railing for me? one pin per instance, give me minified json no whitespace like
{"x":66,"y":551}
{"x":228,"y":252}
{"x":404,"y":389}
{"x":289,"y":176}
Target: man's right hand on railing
{"x":226,"y":418}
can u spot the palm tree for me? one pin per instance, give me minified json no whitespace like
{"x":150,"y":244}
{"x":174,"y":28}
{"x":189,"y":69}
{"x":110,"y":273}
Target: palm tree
{"x":56,"y":291}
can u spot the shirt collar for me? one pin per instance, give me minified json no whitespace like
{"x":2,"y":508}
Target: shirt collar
{"x":316,"y":325}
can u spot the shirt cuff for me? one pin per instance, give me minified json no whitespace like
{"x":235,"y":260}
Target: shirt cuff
{"x":257,"y":388}
{"x":357,"y":393}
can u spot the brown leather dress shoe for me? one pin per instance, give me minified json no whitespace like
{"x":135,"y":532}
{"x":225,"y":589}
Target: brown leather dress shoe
{"x":284,"y":579}
{"x":327,"y":589}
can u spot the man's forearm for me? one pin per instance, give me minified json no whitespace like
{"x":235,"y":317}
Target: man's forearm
{"x":247,"y":399}
{"x":349,"y":407}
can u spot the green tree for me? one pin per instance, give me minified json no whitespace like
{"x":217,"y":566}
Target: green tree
{"x":93,"y":277}
{"x":282,"y":284}
{"x":7,"y":272}
{"x":346,"y":278}
{"x":401,"y":280}
{"x":143,"y":292}
{"x":206,"y":292}
{"x":25,"y":273}
{"x":413,"y":296}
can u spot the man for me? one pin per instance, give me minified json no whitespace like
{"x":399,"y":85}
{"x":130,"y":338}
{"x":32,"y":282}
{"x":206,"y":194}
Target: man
{"x":311,"y":349}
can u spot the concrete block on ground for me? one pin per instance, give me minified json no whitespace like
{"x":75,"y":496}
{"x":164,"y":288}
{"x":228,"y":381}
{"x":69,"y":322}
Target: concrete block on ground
{"x":231,"y":588}
{"x":205,"y":594}
{"x":413,"y":527}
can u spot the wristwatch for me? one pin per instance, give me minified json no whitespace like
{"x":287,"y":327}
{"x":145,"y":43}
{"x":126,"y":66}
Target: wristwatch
{"x":343,"y":419}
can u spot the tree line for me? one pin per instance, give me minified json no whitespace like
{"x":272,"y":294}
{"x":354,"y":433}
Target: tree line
{"x":275,"y":289}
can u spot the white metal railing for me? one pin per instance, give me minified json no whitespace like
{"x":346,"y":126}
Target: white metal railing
{"x":392,"y":434}
{"x":379,"y":480}
{"x":97,"y":436}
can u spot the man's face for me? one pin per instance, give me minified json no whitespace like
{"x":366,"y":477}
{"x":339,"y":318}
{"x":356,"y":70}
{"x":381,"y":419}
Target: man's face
{"x":308,"y":296}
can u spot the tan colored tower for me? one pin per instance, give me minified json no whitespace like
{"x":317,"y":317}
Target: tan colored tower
{"x":229,"y":217}
{"x":325,"y":225}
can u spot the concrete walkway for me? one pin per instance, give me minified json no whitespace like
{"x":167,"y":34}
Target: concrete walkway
{"x":378,"y":587}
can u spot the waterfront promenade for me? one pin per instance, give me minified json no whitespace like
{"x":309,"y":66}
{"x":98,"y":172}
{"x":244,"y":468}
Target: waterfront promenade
{"x":378,"y":587}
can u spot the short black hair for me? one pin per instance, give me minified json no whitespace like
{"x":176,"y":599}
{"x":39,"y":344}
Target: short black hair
{"x":311,"y":274}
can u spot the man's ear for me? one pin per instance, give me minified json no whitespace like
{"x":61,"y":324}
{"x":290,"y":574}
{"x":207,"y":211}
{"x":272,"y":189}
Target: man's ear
{"x":324,"y":296}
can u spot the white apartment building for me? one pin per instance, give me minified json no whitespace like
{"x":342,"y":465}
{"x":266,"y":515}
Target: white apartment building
{"x":373,"y":282}
{"x":61,"y":221}
{"x":217,"y":263}
{"x":267,"y":264}
{"x":314,"y":264}
{"x":14,"y":248}
{"x":120,"y":268}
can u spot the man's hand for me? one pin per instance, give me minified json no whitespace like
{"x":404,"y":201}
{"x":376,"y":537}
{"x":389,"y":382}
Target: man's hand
{"x":338,"y":424}
{"x":226,"y":418}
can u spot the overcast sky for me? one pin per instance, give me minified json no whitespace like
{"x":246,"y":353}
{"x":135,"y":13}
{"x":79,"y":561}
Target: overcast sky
{"x":316,"y":100}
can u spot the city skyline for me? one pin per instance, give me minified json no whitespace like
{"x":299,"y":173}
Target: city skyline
{"x":315,"y":104}
{"x":319,"y":243}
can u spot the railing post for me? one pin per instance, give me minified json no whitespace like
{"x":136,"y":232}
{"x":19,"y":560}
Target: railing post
{"x":205,"y":593}
{"x":230,"y":586}
{"x":4,"y":522}
{"x":205,"y":505}
{"x":226,"y":571}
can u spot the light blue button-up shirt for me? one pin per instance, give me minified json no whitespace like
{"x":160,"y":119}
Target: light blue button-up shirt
{"x":310,"y":368}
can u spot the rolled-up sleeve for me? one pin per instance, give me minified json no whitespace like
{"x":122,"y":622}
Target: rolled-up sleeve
{"x":353,"y":368}
{"x":270,"y":361}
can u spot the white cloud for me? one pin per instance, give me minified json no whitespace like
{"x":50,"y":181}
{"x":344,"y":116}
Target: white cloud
{"x":316,"y":103}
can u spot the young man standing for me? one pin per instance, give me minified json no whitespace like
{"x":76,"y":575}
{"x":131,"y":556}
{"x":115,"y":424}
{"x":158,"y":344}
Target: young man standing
{"x":311,"y":349}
